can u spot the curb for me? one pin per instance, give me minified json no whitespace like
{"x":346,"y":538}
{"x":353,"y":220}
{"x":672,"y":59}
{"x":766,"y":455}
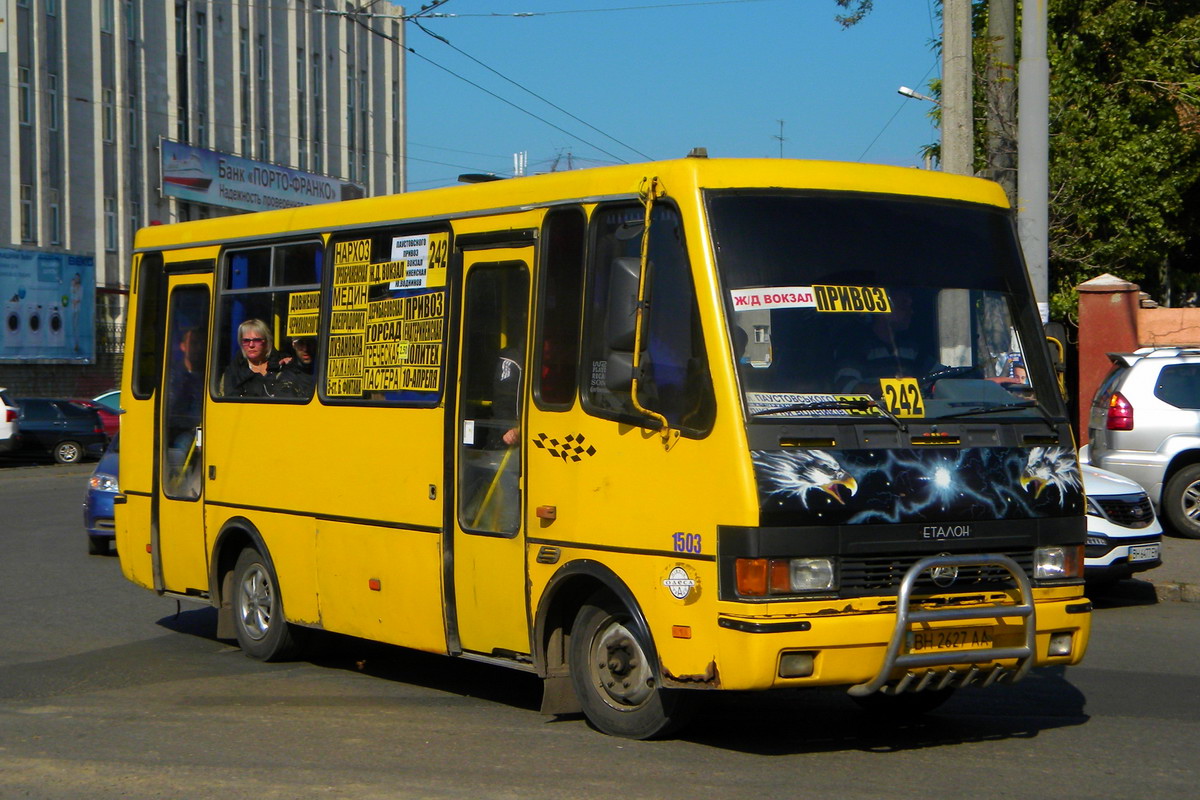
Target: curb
{"x":1177,"y":592}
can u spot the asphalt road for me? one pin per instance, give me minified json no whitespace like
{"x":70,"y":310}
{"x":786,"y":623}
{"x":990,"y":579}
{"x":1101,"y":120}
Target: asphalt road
{"x":106,"y":691}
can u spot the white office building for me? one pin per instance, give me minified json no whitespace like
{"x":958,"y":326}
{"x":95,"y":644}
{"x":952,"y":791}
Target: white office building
{"x":96,"y":92}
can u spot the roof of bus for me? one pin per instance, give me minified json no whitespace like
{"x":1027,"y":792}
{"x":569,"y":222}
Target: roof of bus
{"x":677,"y":177}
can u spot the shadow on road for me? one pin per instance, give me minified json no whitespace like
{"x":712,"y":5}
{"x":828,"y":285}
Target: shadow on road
{"x":762,"y":723}
{"x":1122,"y":594}
{"x":389,"y":662}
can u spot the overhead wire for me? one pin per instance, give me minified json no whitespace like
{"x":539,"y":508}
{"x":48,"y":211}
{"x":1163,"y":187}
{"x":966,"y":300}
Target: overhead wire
{"x":351,"y":16}
{"x":526,"y":89}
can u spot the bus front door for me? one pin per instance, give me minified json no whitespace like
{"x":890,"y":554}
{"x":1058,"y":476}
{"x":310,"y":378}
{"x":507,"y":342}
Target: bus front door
{"x":488,"y":537}
{"x":177,"y":537}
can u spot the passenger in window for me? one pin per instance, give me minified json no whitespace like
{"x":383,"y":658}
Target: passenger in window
{"x":506,"y":394}
{"x":186,"y":388}
{"x":888,"y":349}
{"x":296,"y":372}
{"x":254,"y":371}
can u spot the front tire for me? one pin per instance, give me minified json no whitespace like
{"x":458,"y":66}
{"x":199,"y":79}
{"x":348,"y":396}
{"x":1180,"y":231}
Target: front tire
{"x":67,"y":452}
{"x":615,"y":678}
{"x":262,"y":632}
{"x":1181,"y":501}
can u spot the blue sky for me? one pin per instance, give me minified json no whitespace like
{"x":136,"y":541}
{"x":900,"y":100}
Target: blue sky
{"x":661,"y":77}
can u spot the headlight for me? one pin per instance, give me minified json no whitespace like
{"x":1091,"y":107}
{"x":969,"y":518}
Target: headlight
{"x":1094,"y":509}
{"x":759,"y":577}
{"x":1058,"y":561}
{"x":811,"y":574}
{"x":103,"y":483}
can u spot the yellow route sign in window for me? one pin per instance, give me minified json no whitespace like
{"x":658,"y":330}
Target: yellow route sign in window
{"x":902,"y":396}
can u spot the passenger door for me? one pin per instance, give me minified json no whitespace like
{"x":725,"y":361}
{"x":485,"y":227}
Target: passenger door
{"x":177,"y":538}
{"x":488,"y":529}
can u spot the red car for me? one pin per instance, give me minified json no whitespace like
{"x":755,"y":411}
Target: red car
{"x":108,"y":406}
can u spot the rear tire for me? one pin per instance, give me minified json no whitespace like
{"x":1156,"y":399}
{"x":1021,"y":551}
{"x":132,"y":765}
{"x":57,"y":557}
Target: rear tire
{"x":615,"y":679}
{"x":67,"y":452}
{"x":1181,"y":501}
{"x":262,"y":631}
{"x":98,"y":545}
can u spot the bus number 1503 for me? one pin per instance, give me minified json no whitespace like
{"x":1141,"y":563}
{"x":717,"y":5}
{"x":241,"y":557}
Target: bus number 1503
{"x":687,"y":543}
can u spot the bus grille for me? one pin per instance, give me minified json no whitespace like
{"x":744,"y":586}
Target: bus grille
{"x":882,"y":574}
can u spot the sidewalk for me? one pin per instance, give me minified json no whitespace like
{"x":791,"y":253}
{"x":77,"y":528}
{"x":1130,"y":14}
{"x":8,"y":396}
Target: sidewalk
{"x":1179,"y":576}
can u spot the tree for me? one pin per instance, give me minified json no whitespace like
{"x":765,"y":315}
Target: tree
{"x":1125,"y":143}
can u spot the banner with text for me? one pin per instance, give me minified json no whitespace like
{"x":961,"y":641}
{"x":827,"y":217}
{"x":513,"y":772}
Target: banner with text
{"x":198,"y":175}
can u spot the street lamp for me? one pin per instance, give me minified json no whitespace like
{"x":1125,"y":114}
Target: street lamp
{"x":915,"y":95}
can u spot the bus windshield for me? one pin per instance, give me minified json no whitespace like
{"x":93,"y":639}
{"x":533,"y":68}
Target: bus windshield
{"x":848,"y":304}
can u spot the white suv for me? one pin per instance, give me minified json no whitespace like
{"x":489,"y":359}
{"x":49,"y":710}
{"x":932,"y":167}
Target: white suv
{"x":1145,"y":424}
{"x":8,"y":417}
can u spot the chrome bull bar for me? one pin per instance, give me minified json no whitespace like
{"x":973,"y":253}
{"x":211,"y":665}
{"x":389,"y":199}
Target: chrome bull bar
{"x":920,"y":675}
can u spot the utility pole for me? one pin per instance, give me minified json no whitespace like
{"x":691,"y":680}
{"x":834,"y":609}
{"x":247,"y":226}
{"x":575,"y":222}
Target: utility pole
{"x":780,"y":137}
{"x":1002,"y":96}
{"x":958,"y":146}
{"x":1033,"y":151}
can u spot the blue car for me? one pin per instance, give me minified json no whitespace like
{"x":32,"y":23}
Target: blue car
{"x":98,"y":504}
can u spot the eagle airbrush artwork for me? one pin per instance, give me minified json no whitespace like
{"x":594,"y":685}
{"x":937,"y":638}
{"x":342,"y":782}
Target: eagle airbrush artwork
{"x":850,"y":487}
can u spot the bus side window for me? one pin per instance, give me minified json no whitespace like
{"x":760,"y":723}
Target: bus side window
{"x":278,"y":287}
{"x":556,"y":361}
{"x":674,"y":378}
{"x":152,"y":291}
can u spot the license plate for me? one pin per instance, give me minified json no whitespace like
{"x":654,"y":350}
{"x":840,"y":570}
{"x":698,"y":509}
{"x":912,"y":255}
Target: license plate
{"x":940,"y":639}
{"x":1143,"y":552}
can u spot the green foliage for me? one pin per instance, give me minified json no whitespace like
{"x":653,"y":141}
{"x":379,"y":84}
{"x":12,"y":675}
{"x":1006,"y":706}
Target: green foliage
{"x":1125,"y":140}
{"x":858,"y":10}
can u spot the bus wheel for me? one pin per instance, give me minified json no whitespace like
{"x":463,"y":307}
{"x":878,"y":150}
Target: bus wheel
{"x":613,"y":676}
{"x":262,"y":632}
{"x":898,"y":707}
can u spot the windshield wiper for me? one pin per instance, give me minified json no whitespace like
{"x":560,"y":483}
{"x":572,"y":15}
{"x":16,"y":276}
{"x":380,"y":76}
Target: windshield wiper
{"x":1043,"y":414}
{"x":830,"y":405}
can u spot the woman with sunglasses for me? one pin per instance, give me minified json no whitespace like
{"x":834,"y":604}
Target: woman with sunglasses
{"x":255,"y":369}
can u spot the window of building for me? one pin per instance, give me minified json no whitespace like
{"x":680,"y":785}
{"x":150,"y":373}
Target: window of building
{"x":110,"y":224}
{"x":54,"y":222}
{"x":302,"y":107}
{"x":51,"y":8}
{"x":130,"y":21}
{"x":135,"y":218}
{"x":244,"y":85}
{"x":673,"y":376}
{"x":24,"y":97}
{"x":52,"y":101}
{"x":109,"y":115}
{"x":28,"y":220}
{"x":131,"y":114}
{"x":107,"y":16}
{"x":351,"y":125}
{"x":201,"y":101}
{"x":269,"y":309}
{"x":364,"y":149}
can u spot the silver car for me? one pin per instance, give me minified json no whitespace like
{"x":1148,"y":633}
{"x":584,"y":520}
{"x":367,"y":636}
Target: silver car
{"x":1145,"y":424}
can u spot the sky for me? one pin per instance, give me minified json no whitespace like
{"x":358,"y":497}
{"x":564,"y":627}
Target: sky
{"x":597,"y":82}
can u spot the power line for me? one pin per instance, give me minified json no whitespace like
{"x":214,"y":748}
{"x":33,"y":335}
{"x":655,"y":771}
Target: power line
{"x":522,"y":14}
{"x":449,"y":71}
{"x":530,"y":91}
